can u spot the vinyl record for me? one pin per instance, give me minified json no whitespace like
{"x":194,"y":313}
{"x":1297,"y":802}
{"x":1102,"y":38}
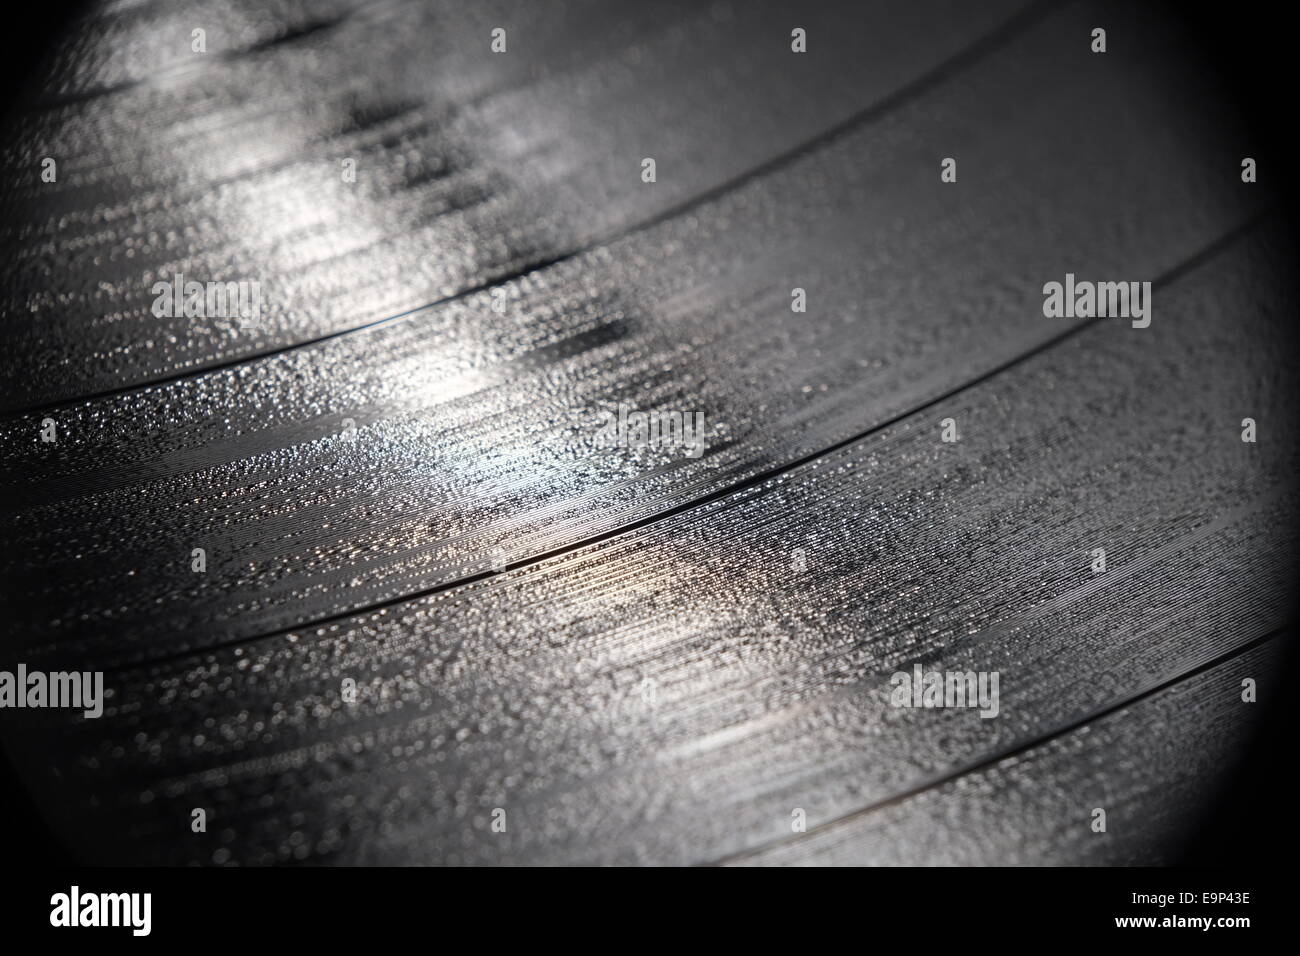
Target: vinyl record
{"x":674,"y":433}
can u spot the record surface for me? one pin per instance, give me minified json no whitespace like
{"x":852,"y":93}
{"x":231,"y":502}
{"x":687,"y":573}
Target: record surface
{"x":392,"y":567}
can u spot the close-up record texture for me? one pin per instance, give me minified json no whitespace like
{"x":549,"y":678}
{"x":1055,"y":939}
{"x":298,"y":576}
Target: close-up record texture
{"x":745,"y":433}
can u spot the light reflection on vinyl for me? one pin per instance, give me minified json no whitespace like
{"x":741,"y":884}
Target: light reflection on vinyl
{"x":638,"y":443}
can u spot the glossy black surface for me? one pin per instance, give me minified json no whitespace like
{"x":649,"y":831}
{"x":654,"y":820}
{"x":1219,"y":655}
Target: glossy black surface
{"x":679,"y":652}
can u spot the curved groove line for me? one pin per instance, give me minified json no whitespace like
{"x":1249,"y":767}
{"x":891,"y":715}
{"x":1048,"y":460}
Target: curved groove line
{"x":990,"y":760}
{"x":935,"y":77}
{"x":1188,"y":265}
